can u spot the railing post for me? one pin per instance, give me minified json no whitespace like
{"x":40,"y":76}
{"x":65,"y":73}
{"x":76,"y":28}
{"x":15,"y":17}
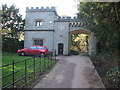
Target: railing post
{"x":45,"y":63}
{"x":55,"y":55}
{"x":25,"y":72}
{"x":34,"y":67}
{"x":48,"y":61}
{"x":52,"y":60}
{"x":13,"y":74}
{"x":40,"y":65}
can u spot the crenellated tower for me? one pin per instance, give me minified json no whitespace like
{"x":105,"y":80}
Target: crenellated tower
{"x":40,"y":18}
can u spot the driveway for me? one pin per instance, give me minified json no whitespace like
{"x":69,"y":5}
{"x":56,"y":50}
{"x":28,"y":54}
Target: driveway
{"x":72,"y":72}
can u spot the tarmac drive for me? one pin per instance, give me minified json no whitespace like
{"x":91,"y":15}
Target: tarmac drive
{"x":72,"y":72}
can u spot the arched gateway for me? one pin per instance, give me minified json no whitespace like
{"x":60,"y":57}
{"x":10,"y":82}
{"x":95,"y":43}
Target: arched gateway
{"x":45,"y":27}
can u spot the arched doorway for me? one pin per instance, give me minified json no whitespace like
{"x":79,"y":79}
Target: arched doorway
{"x":84,"y":42}
{"x":60,"y":48}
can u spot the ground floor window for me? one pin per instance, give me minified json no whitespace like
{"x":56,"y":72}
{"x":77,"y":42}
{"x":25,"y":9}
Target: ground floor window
{"x":38,"y":42}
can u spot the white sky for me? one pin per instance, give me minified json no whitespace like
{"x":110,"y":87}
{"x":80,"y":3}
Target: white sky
{"x":63,"y":7}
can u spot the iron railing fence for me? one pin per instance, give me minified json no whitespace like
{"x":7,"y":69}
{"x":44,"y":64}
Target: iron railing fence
{"x":23,"y":72}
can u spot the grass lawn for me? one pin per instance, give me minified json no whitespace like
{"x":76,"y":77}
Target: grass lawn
{"x":8,"y":58}
{"x":33,"y":67}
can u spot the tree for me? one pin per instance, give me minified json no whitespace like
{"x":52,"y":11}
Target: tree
{"x":12,"y":22}
{"x":12,"y":28}
{"x":104,"y":20}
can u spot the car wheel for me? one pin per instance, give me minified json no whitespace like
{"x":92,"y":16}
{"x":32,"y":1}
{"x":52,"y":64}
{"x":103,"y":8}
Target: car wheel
{"x":22,"y":53}
{"x":42,"y":54}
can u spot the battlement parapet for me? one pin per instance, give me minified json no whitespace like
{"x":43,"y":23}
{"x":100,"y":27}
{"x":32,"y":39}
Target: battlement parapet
{"x":64,"y":18}
{"x":67,"y":18}
{"x":51,"y":9}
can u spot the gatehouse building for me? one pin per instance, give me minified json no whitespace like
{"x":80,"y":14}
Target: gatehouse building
{"x":43,"y":26}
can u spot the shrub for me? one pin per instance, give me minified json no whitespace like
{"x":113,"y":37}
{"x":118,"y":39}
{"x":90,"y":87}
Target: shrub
{"x":11,"y":44}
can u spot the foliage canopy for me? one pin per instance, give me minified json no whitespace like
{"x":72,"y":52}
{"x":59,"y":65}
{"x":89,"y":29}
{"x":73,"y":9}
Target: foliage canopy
{"x":12,"y":21}
{"x":103,"y":18}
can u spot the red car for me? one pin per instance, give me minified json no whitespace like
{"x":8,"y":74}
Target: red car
{"x":34,"y":50}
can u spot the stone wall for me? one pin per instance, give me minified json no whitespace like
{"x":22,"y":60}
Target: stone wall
{"x":47,"y":37}
{"x":61,"y":35}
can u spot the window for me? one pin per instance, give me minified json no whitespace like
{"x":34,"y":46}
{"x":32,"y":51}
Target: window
{"x":32,"y":47}
{"x":40,"y":48}
{"x":38,"y":42}
{"x":38,"y":23}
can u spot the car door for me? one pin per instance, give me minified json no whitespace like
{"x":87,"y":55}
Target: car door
{"x":39,"y":49}
{"x":32,"y":50}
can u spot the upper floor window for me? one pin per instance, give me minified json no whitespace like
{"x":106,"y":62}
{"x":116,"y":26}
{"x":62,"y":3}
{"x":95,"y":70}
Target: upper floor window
{"x":38,"y":23}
